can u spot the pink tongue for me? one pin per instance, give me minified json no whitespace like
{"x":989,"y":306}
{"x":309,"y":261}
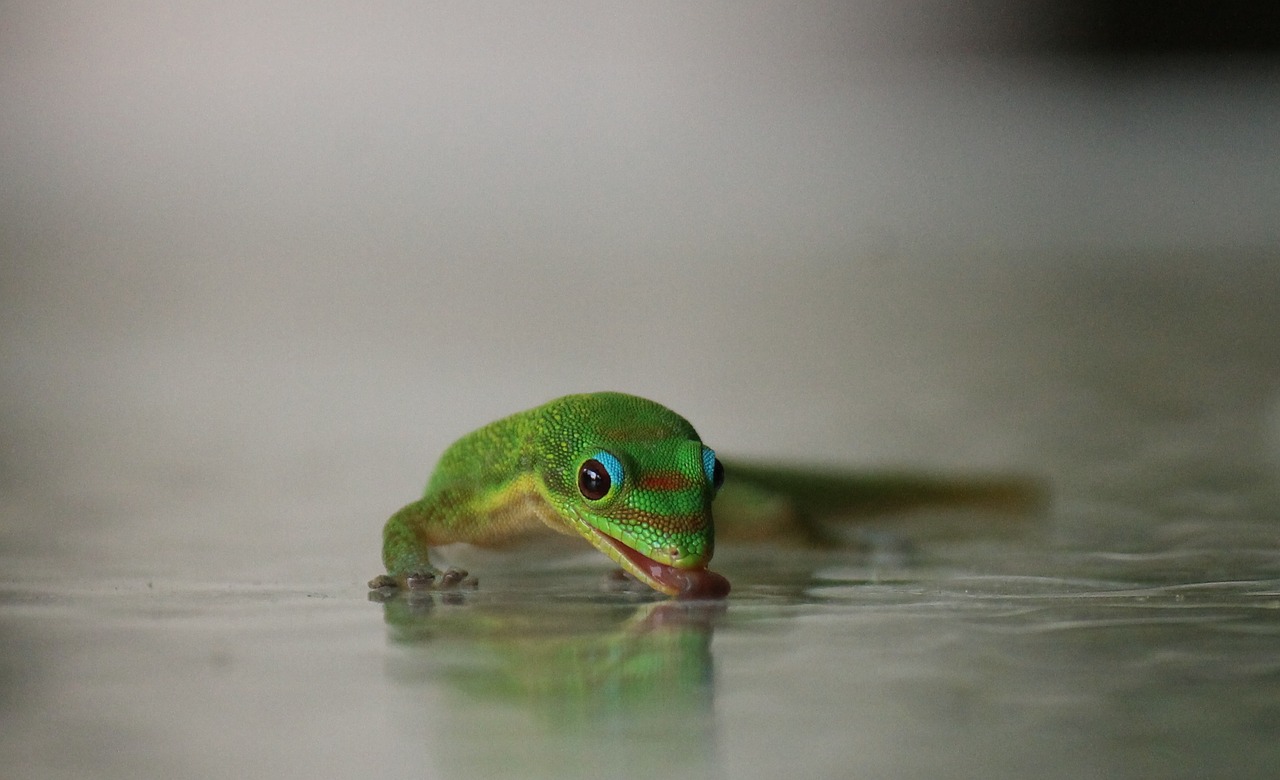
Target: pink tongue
{"x":687,"y":583}
{"x":699,"y":584}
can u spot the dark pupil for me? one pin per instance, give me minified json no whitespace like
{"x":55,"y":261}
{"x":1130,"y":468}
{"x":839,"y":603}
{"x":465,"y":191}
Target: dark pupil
{"x":593,"y":480}
{"x":717,"y":475}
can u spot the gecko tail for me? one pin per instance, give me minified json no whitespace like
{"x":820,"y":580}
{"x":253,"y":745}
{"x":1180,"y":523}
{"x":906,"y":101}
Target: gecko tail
{"x":832,"y":508}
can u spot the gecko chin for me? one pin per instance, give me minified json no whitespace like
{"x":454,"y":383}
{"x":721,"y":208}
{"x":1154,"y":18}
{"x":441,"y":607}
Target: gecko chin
{"x":697,"y":583}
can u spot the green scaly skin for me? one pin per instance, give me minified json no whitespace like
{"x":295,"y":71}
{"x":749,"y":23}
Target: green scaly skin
{"x":521,"y":475}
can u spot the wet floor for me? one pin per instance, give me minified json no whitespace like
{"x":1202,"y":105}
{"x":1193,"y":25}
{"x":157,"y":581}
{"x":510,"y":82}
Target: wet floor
{"x":995,"y":660}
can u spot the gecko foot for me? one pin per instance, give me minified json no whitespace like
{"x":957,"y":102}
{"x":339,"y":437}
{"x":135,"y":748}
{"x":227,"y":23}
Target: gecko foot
{"x":424,"y":580}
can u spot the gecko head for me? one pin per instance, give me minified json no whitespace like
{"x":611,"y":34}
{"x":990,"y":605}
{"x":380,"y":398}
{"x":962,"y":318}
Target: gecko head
{"x":634,"y":479}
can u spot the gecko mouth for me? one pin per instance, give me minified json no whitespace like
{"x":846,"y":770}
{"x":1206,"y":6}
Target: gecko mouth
{"x":698,"y":583}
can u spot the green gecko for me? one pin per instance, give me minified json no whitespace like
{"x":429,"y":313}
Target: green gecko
{"x":628,"y":475}
{"x":633,"y":479}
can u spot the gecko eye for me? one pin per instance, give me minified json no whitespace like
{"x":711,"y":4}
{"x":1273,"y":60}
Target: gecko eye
{"x":712,"y":468}
{"x":598,"y":475}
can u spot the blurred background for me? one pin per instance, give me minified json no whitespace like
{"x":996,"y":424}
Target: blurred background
{"x":262,"y":262}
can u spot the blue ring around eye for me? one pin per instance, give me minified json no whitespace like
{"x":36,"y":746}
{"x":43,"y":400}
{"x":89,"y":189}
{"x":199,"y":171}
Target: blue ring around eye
{"x":613,"y":466}
{"x":709,"y":464}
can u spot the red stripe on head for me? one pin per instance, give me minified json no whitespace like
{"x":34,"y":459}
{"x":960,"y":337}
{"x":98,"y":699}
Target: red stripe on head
{"x":664,"y":481}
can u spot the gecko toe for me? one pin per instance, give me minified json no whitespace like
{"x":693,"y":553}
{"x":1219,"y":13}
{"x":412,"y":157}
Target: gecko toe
{"x":455,"y":578}
{"x":419,"y":580}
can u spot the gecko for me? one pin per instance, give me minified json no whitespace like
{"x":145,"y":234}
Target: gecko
{"x":634,"y":480}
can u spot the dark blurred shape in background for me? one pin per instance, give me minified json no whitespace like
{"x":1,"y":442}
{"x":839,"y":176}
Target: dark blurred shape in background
{"x":1102,"y":31}
{"x":1136,"y":28}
